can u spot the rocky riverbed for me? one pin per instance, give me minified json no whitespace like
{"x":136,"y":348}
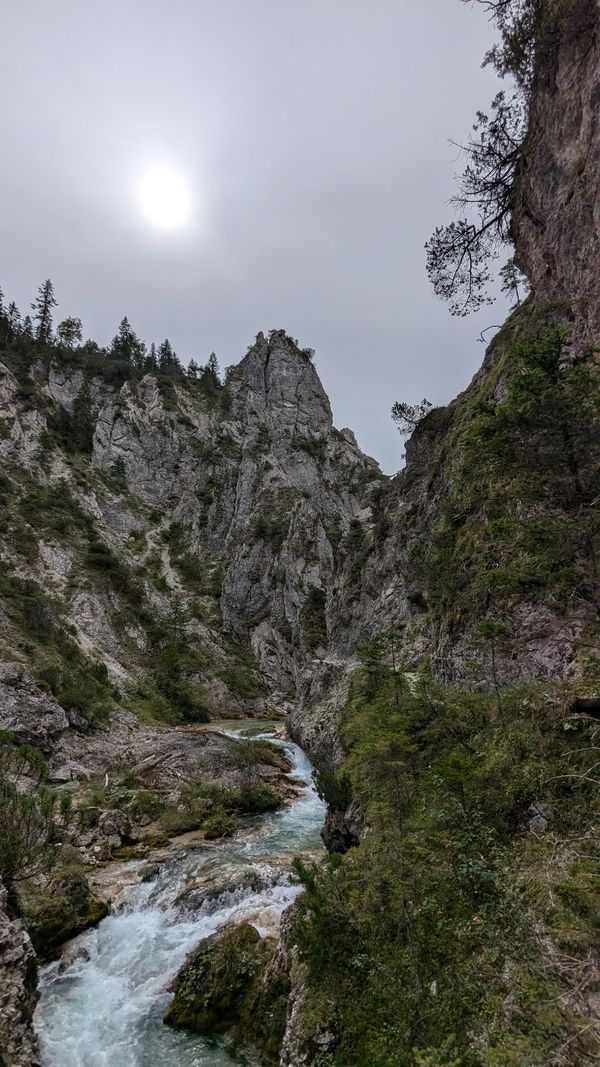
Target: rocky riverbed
{"x":102,"y":1002}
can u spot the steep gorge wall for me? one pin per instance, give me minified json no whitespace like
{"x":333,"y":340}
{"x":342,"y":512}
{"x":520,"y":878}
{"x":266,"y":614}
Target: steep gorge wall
{"x":246,"y":522}
{"x":556,"y":222}
{"x":494,"y":522}
{"x":18,"y":995}
{"x":214,"y":523}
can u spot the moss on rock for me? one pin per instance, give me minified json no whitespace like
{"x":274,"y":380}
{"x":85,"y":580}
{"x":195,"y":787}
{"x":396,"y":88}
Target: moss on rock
{"x":229,"y":985}
{"x":61,"y":910}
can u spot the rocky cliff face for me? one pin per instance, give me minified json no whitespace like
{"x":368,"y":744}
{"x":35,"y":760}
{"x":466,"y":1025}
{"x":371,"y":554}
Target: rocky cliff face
{"x":461,"y":538}
{"x":211,"y":525}
{"x":18,"y":995}
{"x":259,"y":490}
{"x":248,"y":539}
{"x":556,"y":221}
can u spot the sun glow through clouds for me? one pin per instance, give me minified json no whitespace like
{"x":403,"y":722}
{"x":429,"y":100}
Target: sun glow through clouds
{"x":165,"y":199}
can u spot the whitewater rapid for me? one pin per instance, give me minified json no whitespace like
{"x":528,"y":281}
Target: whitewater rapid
{"x":104,"y":1009}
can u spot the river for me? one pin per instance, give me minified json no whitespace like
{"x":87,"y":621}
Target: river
{"x":104,"y":1008}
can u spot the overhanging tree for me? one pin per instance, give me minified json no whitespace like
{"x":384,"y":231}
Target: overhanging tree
{"x":408,"y":416}
{"x":460,"y":254}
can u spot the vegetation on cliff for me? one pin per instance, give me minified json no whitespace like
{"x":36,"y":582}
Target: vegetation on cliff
{"x":521,"y":518}
{"x":26,"y":341}
{"x":463,"y":928}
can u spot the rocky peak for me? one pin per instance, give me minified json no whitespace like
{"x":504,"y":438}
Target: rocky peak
{"x":278,"y":381}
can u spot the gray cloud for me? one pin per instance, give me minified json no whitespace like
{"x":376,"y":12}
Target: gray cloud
{"x":314,"y":136}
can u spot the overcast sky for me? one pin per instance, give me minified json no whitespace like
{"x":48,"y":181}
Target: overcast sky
{"x":313,"y":138}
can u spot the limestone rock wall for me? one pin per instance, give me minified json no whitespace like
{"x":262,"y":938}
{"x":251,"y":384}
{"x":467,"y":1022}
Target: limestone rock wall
{"x":556,"y":220}
{"x":18,"y":995}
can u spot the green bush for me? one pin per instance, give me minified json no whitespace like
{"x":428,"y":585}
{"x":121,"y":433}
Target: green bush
{"x":196,"y":811}
{"x":146,"y":802}
{"x":189,"y":699}
{"x":101,"y":557}
{"x":254,"y":799}
{"x":240,"y":676}
{"x":334,"y":787}
{"x":313,"y":618}
{"x":315,"y":447}
{"x":29,"y":818}
{"x":52,"y":508}
{"x":219,"y":824}
{"x":272,"y":528}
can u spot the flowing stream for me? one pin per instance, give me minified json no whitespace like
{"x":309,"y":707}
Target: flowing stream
{"x":104,"y":1009}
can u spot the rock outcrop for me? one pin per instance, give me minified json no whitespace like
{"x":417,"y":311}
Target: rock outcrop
{"x":18,"y":993}
{"x":556,"y":221}
{"x":31,"y":715}
{"x":230,"y":984}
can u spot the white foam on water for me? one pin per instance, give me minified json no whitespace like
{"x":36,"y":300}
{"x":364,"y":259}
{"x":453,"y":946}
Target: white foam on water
{"x":105,"y":1008}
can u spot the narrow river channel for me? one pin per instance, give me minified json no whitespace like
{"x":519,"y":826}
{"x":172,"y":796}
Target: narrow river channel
{"x":104,"y":1009}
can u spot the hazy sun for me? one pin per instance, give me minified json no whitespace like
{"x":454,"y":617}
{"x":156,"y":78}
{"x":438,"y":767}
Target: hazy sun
{"x":165,"y":199}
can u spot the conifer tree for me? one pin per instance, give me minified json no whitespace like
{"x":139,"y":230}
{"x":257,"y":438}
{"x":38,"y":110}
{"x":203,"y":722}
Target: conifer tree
{"x":127,"y":347}
{"x":210,"y":378}
{"x":168,"y":362}
{"x":213,"y":367}
{"x":14,"y":318}
{"x":151,"y":363}
{"x":408,"y":416}
{"x":166,"y":356}
{"x":42,"y":307}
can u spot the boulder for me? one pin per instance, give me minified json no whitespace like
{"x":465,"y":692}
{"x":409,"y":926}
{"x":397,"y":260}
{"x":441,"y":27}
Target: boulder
{"x":60,"y":910}
{"x":26,"y":711}
{"x":230,"y":984}
{"x":213,"y":986}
